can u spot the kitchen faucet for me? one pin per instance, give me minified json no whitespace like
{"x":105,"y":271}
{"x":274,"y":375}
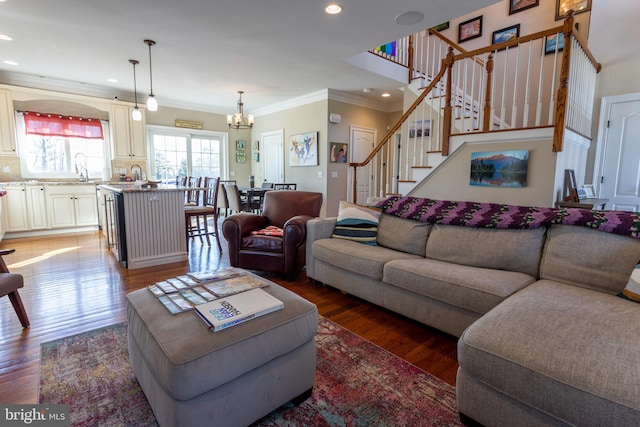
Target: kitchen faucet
{"x":137,"y":174}
{"x":79,"y":167}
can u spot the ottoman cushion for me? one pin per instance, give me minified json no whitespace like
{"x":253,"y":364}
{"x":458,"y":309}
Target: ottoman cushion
{"x":188,"y":359}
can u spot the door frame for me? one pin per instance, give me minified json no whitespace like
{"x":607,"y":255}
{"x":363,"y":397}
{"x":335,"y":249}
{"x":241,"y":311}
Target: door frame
{"x":603,"y":134}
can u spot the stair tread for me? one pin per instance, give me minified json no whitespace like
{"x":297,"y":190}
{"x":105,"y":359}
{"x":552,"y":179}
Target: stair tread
{"x":421,"y":167}
{"x":406,"y":180}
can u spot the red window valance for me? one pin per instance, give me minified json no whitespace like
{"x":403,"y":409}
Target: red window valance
{"x":65,"y":126}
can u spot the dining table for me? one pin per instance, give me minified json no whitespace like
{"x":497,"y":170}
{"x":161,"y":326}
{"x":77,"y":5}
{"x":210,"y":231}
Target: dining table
{"x":254,"y":197}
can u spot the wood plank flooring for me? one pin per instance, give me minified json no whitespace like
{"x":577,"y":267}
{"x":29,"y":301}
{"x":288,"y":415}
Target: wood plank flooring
{"x":73,"y":284}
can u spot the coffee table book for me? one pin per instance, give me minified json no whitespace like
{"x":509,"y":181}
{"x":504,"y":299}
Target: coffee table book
{"x":235,"y":309}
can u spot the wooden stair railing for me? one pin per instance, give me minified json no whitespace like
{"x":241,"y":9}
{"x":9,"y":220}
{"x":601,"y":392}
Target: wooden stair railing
{"x":388,"y":136}
{"x":479,"y":99}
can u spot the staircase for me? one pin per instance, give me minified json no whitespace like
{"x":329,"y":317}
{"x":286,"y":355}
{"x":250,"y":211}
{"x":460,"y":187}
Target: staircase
{"x":522,"y":84}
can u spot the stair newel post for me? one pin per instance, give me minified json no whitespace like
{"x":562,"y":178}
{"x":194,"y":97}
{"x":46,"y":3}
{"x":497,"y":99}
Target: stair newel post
{"x":355,"y":184}
{"x":446,"y":120}
{"x":486,"y":121}
{"x":563,"y":91}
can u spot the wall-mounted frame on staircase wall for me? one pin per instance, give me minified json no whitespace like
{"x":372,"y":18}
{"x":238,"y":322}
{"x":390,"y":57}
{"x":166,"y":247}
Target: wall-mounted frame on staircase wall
{"x":516,"y":6}
{"x":470,"y":29}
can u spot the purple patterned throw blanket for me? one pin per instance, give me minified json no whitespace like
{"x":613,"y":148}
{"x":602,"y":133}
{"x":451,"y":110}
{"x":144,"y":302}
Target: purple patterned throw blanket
{"x":493,"y":215}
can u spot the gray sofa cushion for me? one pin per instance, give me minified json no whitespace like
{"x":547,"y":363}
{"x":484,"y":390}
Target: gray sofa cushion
{"x":471,"y":288}
{"x":502,"y":249}
{"x":352,"y":256}
{"x":562,"y":349}
{"x":574,"y":255}
{"x":402,"y":234}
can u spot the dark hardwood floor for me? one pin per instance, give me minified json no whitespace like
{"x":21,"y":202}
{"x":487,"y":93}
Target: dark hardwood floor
{"x":73,"y":284}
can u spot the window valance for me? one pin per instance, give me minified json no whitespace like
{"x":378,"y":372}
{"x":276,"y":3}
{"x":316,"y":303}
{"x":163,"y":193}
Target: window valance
{"x":58,"y":125}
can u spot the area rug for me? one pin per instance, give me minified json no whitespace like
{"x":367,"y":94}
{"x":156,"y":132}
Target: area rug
{"x":357,"y":384}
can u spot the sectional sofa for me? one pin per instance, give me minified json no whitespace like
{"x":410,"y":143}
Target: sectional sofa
{"x":532,"y":294}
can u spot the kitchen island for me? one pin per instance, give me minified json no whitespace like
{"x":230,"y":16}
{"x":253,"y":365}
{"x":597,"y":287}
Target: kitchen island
{"x":145,"y":226}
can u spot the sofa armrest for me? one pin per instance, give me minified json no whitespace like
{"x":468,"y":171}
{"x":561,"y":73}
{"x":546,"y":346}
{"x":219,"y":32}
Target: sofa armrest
{"x":317,"y":228}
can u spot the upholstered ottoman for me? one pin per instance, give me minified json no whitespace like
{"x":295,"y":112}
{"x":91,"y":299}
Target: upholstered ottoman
{"x":193,"y":376}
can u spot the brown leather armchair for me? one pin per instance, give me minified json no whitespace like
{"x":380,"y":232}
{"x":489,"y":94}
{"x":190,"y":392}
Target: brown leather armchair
{"x":289,"y":210}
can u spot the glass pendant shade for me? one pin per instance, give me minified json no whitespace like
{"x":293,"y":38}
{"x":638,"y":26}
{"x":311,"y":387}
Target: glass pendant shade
{"x":136,"y":114}
{"x":152,"y":104}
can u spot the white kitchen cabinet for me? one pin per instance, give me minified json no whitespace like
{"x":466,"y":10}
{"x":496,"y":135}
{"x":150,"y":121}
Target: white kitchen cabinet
{"x":15,"y":213}
{"x":36,"y":207}
{"x":7,"y":128}
{"x":71,"y":205}
{"x":128,"y":137}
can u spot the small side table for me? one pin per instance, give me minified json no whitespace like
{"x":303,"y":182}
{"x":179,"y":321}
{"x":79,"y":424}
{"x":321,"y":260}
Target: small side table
{"x":597,"y":204}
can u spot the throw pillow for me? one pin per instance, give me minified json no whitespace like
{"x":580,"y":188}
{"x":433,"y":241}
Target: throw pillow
{"x":270,"y":230}
{"x":632,"y":290}
{"x":357,"y":223}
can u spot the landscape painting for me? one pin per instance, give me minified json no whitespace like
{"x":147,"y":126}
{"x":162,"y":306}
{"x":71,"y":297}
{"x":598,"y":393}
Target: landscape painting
{"x":499,"y":168}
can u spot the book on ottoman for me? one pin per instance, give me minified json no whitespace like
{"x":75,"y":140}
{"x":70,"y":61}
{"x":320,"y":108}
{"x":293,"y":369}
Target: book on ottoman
{"x":225,"y":312}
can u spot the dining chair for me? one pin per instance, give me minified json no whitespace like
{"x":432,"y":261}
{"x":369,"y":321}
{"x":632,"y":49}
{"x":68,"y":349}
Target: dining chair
{"x":223,"y":201}
{"x":9,"y":285}
{"x":192,"y":197}
{"x":202,"y":213}
{"x":181,"y":181}
{"x":236,"y":204}
{"x":284,"y":186}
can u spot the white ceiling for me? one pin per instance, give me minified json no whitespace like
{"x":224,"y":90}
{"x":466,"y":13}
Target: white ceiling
{"x":207,"y":50}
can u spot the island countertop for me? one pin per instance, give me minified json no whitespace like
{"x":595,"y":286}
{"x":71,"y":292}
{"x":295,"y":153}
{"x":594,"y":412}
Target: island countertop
{"x":131,"y":187}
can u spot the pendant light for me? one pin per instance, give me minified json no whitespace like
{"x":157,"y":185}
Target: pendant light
{"x":152,"y":104}
{"x":136,"y":114}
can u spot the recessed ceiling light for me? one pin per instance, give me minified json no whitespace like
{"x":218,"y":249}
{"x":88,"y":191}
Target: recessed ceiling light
{"x":409,"y":18}
{"x":5,"y":37}
{"x":112,"y":80}
{"x":8,"y":62}
{"x":386,"y":95}
{"x":333,"y":8}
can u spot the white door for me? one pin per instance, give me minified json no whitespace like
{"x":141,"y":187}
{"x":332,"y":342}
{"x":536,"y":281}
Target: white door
{"x":362,"y":143}
{"x":620,"y":182}
{"x":272,"y":153}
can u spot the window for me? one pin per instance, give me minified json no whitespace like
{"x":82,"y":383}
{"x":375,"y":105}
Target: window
{"x":175,"y":153}
{"x":59,"y":153}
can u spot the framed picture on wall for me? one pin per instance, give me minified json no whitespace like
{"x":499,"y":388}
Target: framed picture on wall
{"x":241,"y":145}
{"x":516,"y":6}
{"x":241,"y":157}
{"x":303,"y":149}
{"x":338,"y":152}
{"x":578,"y":6}
{"x":470,"y":29}
{"x":505,"y":34}
{"x":553,"y":42}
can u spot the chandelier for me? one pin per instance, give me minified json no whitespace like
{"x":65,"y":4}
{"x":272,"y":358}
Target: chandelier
{"x":238,"y":120}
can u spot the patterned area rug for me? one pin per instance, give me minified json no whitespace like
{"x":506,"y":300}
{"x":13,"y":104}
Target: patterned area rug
{"x":357,"y":384}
